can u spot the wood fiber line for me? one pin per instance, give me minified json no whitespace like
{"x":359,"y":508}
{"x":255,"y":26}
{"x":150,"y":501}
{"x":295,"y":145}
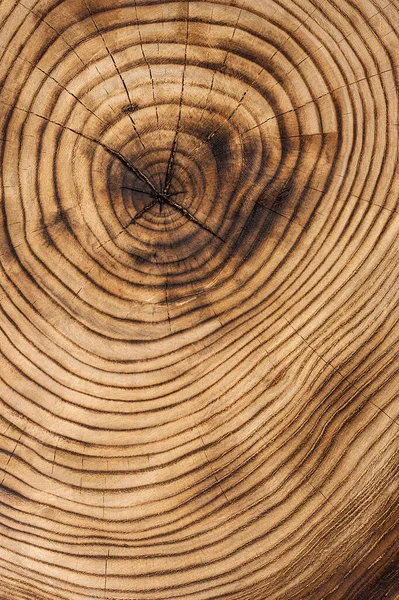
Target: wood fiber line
{"x":199,"y":302}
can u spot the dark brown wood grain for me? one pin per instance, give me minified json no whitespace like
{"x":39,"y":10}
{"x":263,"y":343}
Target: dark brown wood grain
{"x":199,"y":323}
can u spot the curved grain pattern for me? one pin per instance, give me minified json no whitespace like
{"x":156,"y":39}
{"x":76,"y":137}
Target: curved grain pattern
{"x":199,"y":300}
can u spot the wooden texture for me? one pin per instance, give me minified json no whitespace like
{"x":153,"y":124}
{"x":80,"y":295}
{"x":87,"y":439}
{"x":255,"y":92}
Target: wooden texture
{"x":199,"y":295}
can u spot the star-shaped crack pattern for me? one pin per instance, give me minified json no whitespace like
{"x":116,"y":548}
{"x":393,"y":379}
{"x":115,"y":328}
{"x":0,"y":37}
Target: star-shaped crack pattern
{"x":162,"y":198}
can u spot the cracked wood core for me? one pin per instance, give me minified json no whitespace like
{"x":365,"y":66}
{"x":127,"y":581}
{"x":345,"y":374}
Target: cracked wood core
{"x":199,"y":266}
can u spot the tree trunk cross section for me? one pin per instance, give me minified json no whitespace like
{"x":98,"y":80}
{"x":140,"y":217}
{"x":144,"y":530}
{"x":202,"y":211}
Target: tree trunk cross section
{"x":199,"y":300}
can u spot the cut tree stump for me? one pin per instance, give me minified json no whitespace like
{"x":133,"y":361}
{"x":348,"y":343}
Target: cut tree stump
{"x":199,"y":290}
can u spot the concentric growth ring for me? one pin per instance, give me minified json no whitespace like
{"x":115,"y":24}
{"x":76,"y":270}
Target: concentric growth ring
{"x":199,"y":300}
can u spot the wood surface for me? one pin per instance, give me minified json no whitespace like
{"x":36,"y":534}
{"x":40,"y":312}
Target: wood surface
{"x":199,"y":322}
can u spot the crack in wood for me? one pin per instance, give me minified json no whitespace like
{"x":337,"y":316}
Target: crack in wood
{"x":161,"y":199}
{"x":221,"y":68}
{"x":169,"y":169}
{"x":22,"y":58}
{"x":149,"y":71}
{"x":116,"y":69}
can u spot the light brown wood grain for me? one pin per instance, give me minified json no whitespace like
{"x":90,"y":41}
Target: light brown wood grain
{"x":199,"y":296}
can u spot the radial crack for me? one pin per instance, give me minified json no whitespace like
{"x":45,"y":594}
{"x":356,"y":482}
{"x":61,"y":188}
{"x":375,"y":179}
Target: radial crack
{"x":133,"y":189}
{"x":126,"y":187}
{"x":315,"y":100}
{"x":141,"y":212}
{"x":162,"y":199}
{"x":231,"y":115}
{"x":116,"y":69}
{"x":148,"y":66}
{"x":220,"y":69}
{"x":169,"y":169}
{"x":59,"y":34}
{"x":190,"y":217}
{"x":47,"y":74}
{"x":139,"y":174}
